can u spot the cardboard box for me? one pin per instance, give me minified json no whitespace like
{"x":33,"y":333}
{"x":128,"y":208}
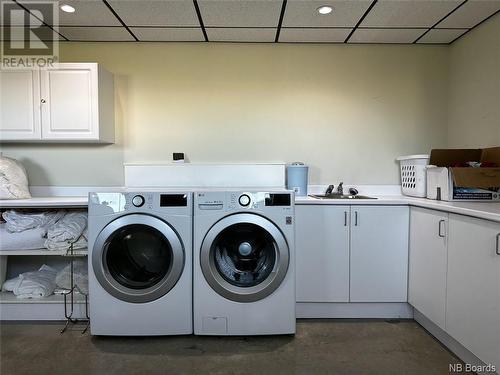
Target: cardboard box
{"x":448,"y":179}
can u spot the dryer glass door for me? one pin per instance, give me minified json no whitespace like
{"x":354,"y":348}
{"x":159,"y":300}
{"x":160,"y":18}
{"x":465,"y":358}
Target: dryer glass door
{"x":138,"y":258}
{"x":244,"y":257}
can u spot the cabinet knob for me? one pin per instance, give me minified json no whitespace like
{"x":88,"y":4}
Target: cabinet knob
{"x":43,"y":100}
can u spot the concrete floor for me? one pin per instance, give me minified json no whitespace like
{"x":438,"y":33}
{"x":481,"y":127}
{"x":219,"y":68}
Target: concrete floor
{"x":319,"y":347}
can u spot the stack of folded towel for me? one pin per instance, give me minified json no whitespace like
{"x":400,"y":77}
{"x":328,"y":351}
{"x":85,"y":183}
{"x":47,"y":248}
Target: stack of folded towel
{"x":36,"y":284}
{"x":43,"y":283}
{"x":54,"y":230}
{"x":71,"y":229}
{"x":19,"y":221}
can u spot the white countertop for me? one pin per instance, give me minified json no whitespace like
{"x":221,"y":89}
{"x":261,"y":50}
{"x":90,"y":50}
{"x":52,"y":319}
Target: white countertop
{"x":488,"y":211}
{"x":43,"y":202}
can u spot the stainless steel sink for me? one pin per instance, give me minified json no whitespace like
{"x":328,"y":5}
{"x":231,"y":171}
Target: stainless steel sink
{"x":340,"y":196}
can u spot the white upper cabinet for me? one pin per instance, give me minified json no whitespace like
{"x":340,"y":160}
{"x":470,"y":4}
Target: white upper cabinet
{"x":428,"y":263}
{"x":379,"y":253}
{"x":19,"y":105}
{"x":73,"y":103}
{"x":322,"y":253}
{"x":473,"y":286}
{"x":69,"y":113}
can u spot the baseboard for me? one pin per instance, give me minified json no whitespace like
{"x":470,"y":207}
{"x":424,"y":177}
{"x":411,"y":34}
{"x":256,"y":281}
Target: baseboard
{"x":453,"y":345}
{"x":39,"y":311}
{"x":354,"y":310}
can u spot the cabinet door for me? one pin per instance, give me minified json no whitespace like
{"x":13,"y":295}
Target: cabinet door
{"x":322,"y":253}
{"x":70,"y":102}
{"x":473,"y":289}
{"x":428,"y":262}
{"x":19,"y":105}
{"x":379,"y":253}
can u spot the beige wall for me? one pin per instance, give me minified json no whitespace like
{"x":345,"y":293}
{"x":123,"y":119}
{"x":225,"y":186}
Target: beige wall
{"x":347,"y":111}
{"x":474,"y":99}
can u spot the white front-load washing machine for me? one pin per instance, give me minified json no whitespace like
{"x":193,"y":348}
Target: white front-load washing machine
{"x":244,"y":263}
{"x":140,"y":263}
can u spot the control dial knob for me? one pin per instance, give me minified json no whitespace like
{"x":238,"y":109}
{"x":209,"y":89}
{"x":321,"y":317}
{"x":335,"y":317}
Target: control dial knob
{"x":244,"y":200}
{"x":138,"y":200}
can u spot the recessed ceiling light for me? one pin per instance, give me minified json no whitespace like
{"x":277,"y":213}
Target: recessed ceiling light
{"x":325,"y":9}
{"x":67,"y":8}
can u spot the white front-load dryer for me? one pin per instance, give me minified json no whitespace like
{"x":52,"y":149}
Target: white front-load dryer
{"x":140,"y":263}
{"x":244,"y":263}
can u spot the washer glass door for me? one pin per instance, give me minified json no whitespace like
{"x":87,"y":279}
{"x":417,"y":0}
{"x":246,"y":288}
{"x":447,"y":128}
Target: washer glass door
{"x":138,"y":258}
{"x":244,"y":257}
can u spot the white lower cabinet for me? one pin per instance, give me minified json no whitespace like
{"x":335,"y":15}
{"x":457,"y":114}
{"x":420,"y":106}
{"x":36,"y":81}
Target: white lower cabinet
{"x":428,"y":263}
{"x":351,"y":253}
{"x":379,"y":253}
{"x":322,"y":255}
{"x":473,"y":286}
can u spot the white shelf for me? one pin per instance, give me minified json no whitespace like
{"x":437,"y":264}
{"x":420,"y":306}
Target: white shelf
{"x":10,"y":298}
{"x":79,"y":252}
{"x":46,"y":202}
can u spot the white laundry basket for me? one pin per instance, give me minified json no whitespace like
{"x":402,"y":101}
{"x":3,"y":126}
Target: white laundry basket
{"x":413,"y":174}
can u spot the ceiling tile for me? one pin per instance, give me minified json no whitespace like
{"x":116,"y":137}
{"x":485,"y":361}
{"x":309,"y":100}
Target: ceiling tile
{"x":44,"y":33}
{"x":156,"y":12}
{"x":408,"y":13}
{"x":240,"y":35}
{"x":313,"y":35}
{"x":158,"y":34}
{"x":471,"y":13}
{"x":303,"y":13}
{"x":441,"y":36}
{"x":87,"y":13}
{"x":385,"y":35}
{"x":98,"y":34}
{"x":240,"y":13}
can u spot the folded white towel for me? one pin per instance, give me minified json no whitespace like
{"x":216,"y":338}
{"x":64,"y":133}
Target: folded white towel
{"x":36,"y":284}
{"x":31,"y":239}
{"x":81,"y":243}
{"x":70,"y":229}
{"x":9,"y":285}
{"x":18,"y":221}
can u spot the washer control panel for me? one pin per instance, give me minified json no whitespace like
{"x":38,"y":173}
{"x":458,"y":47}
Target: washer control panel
{"x":138,"y":201}
{"x":244,"y":200}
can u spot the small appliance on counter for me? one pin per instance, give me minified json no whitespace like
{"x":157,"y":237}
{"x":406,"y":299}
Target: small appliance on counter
{"x":297,"y":178}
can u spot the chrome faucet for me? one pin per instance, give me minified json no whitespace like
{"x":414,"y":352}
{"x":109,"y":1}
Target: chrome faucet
{"x":340,"y":189}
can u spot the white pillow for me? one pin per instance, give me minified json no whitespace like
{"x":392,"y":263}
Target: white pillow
{"x":13,"y":179}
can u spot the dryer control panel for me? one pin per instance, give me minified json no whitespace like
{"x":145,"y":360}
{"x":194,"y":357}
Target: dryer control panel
{"x":242,"y":200}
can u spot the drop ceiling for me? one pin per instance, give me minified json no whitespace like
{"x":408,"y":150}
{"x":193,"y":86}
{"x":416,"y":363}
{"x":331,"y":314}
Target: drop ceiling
{"x":270,"y":21}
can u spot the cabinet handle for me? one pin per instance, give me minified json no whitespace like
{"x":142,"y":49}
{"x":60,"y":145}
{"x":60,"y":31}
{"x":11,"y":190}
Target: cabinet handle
{"x":439,"y":230}
{"x":42,"y":101}
{"x":355,"y":218}
{"x":345,"y":218}
{"x":498,"y":244}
